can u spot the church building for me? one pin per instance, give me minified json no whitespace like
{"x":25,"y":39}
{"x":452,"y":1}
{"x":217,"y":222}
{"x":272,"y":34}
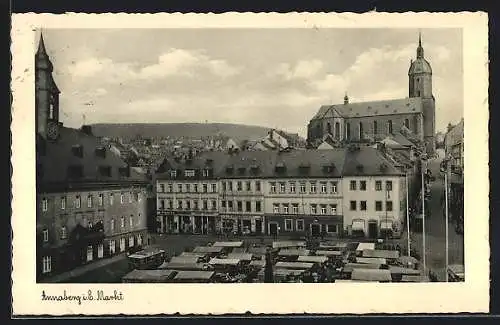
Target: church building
{"x":375,"y":120}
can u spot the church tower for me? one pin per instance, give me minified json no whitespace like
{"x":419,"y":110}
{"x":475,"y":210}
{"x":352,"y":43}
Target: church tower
{"x":420,"y":85}
{"x":46,"y":96}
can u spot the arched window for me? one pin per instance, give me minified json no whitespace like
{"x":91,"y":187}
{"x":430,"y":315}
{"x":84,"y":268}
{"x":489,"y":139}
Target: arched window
{"x":329,"y":128}
{"x":389,"y":127}
{"x":348,"y":130}
{"x":407,"y":123}
{"x":375,"y":127}
{"x":337,"y":130}
{"x":318,"y":130}
{"x":360,"y":130}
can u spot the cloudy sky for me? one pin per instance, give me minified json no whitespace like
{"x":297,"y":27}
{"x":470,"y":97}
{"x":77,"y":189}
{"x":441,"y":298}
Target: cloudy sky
{"x":269,"y":77}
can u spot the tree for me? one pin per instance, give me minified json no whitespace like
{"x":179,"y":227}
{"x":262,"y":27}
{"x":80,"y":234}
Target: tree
{"x":268,"y":269}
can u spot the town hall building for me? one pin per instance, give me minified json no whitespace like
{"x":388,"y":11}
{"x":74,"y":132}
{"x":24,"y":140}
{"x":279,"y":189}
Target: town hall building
{"x":375,"y":120}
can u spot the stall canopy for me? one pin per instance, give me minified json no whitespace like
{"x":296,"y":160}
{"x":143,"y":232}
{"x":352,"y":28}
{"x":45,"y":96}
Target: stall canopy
{"x":293,"y":252}
{"x":371,"y":260}
{"x":403,"y":270}
{"x":184,"y":266}
{"x":415,"y":278}
{"x":371,"y":275}
{"x":184,"y":259}
{"x":228,"y":244}
{"x":258,"y":263}
{"x":381,"y":253}
{"x":224,"y":261}
{"x":328,"y":253}
{"x":358,"y":225}
{"x":194,"y":275}
{"x":199,"y":255}
{"x":313,"y":259}
{"x":240,"y":256}
{"x":149,"y":276}
{"x":208,"y":249}
{"x":349,"y":267}
{"x":385,"y":225}
{"x":294,"y":265}
{"x":364,"y":246}
{"x":291,"y":244}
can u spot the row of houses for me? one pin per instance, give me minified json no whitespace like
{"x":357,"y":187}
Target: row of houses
{"x":342,"y":191}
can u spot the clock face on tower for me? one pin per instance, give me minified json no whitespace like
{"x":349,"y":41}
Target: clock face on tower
{"x":52,"y":130}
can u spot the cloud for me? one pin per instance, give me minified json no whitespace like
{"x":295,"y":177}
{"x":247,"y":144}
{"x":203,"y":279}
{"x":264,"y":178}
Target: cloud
{"x":303,"y":69}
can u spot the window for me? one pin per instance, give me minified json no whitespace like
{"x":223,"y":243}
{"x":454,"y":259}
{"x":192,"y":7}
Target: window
{"x":131,"y":241}
{"x":100,"y":251}
{"x":407,"y":123}
{"x":170,"y":204}
{"x":360,"y":130}
{"x":64,"y":232}
{"x":248,"y":206}
{"x":388,"y":205}
{"x":63,"y":203}
{"x":378,"y":185}
{"x":282,"y":188}
{"x":362,"y":205}
{"x":329,"y":128}
{"x":362,"y":185}
{"x":239,"y":186}
{"x":162,"y":188}
{"x":122,"y":222}
{"x":112,"y":247}
{"x":230,"y":205}
{"x":214,"y":188}
{"x":170,"y":187}
{"x":78,"y":202}
{"x":89,"y":201}
{"x":292,"y":187}
{"x":223,"y":204}
{"x":258,"y":206}
{"x":388,"y":185}
{"x":214,"y":204}
{"x":130,"y":197}
{"x":333,"y":209}
{"x":302,"y":187}
{"x":273,"y":187}
{"x":205,"y":205}
{"x":44,"y":205}
{"x":122,"y":198}
{"x":352,"y":185}
{"x":352,"y":205}
{"x":323,"y":209}
{"x":313,"y":187}
{"x":188,"y":188}
{"x":45,"y":235}
{"x":285,"y":208}
{"x":205,"y":188}
{"x":101,"y":199}
{"x":131,"y":221}
{"x":248,"y":186}
{"x":375,"y":127}
{"x":189,"y":173}
{"x":195,"y":188}
{"x":334,"y":187}
{"x":257,"y":186}
{"x":111,"y":199}
{"x":299,"y":225}
{"x":90,"y":253}
{"x":112,"y":225}
{"x":378,"y":205}
{"x":348,"y":130}
{"x":122,"y":244}
{"x":139,"y":239}
{"x":90,"y":225}
{"x":230,"y":186}
{"x":331,"y":228}
{"x":389,"y":127}
{"x":195,"y":204}
{"x":239,"y":205}
{"x":173,"y":174}
{"x":46,"y":264}
{"x":179,"y":188}
{"x":288,"y":224}
{"x":314,"y":209}
{"x":276,"y":208}
{"x":323,"y":187}
{"x":295,"y":208}
{"x":162,"y":204}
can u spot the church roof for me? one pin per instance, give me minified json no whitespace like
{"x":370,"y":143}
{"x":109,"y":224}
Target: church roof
{"x":420,"y":65}
{"x":373,"y":108}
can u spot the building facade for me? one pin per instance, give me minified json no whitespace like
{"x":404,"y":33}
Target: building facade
{"x":374,"y":120}
{"x":90,"y":204}
{"x":454,"y":151}
{"x":296,"y":192}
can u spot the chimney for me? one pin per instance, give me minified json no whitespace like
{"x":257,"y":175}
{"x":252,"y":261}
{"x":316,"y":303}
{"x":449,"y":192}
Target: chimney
{"x":87,"y":129}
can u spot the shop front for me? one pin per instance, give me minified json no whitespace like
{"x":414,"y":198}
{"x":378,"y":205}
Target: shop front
{"x":304,"y":225}
{"x":358,"y":228}
{"x":243,"y":225}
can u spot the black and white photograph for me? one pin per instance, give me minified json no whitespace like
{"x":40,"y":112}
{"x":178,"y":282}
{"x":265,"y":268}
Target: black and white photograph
{"x":237,"y":156}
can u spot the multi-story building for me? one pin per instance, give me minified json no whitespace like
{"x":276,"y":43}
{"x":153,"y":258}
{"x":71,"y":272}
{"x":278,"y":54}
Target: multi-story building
{"x":90,"y":204}
{"x":269,"y":192}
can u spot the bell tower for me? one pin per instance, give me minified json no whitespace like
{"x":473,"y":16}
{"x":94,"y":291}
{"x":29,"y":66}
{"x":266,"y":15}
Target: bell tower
{"x":46,"y":95}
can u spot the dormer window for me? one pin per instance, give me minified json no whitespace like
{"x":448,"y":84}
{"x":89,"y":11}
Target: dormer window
{"x":75,"y":171}
{"x":105,"y":171}
{"x":189,"y":173}
{"x":360,"y":168}
{"x":207,"y":172}
{"x":100,"y":152}
{"x":124,"y":171}
{"x":77,"y":150}
{"x":229,"y":170}
{"x":209,"y":161}
{"x":241,"y":170}
{"x":173,"y":174}
{"x":280,"y":167}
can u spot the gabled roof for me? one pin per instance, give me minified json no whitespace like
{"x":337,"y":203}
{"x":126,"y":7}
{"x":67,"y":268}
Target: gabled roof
{"x":368,"y":161}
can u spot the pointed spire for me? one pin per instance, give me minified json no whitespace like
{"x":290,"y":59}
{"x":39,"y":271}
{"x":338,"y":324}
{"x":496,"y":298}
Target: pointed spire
{"x":346,"y":99}
{"x":41,"y":46}
{"x":420,"y":49}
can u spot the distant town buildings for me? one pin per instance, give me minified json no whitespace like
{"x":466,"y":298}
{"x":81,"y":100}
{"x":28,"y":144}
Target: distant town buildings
{"x":375,"y":120}
{"x":90,"y":204}
{"x":454,"y":151}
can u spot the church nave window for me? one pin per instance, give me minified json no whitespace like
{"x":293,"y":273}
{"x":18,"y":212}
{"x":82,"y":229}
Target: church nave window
{"x":389,"y":127}
{"x":407,"y":123}
{"x":375,"y":127}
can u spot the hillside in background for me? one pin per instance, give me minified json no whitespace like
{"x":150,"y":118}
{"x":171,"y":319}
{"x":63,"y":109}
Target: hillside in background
{"x":195,"y":130}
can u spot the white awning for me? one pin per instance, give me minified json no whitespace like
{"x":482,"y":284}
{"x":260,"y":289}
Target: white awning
{"x":386,"y":224}
{"x":358,"y":225}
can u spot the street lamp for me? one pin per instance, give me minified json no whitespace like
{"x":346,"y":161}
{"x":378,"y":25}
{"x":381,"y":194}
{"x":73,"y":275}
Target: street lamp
{"x":422,"y":159}
{"x":444,"y":168}
{"x":407,"y":213}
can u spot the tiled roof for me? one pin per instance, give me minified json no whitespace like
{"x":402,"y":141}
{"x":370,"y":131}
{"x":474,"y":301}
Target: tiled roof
{"x":287,"y":164}
{"x":373,"y":108}
{"x":54,"y":165}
